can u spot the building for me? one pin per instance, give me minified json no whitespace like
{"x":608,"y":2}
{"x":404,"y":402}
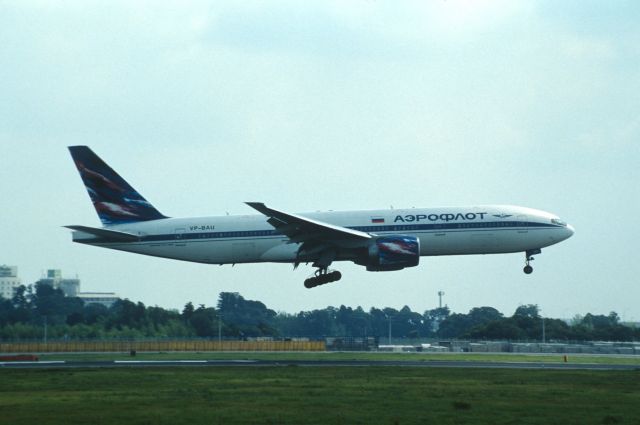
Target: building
{"x":9,"y":281}
{"x":70,"y":287}
{"x":107,"y":299}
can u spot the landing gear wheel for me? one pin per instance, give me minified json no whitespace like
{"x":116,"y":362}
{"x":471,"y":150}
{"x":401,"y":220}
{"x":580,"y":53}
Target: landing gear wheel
{"x":322,"y":277}
{"x":528,"y":255}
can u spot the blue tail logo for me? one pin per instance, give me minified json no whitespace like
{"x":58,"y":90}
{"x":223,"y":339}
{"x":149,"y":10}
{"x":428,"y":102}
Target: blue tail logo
{"x":115,"y":201}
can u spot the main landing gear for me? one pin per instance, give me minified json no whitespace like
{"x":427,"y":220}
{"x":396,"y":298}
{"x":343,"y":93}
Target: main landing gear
{"x":322,"y":277}
{"x":322,"y":274}
{"x":529,"y":257}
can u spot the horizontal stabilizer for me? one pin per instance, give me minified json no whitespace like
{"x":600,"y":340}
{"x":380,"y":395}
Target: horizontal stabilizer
{"x":105,"y":233}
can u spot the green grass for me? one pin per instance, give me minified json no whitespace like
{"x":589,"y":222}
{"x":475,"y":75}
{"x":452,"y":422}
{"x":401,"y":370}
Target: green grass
{"x":314,"y":395}
{"x":369,"y":356}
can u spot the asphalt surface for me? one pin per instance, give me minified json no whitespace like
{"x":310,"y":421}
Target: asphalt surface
{"x":306,"y":363}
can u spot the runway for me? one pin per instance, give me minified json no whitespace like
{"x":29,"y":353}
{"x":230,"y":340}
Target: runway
{"x":313,"y":363}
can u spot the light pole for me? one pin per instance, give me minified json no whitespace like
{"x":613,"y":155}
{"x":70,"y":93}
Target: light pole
{"x":544,"y":331}
{"x":389,"y":319}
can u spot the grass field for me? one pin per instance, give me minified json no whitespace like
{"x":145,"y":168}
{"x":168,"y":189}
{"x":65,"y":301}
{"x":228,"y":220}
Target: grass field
{"x":318,"y":395}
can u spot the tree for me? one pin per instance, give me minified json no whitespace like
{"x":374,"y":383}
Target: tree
{"x":379,"y":320}
{"x":408,"y":324}
{"x":601,"y":327}
{"x":497,"y":329}
{"x":51,"y":303}
{"x":360,"y":323}
{"x":460,"y":324}
{"x":188,"y":310}
{"x":317,"y":323}
{"x":158,"y":316}
{"x":22,"y":317}
{"x":484,"y":314}
{"x":557,"y":329}
{"x":249,"y":318}
{"x":21,"y":297}
{"x":21,"y":312}
{"x":528,"y":310}
{"x":6,"y":308}
{"x":125,"y":313}
{"x":437,"y":314}
{"x":204,"y":321}
{"x":455,"y":325}
{"x":94,"y":313}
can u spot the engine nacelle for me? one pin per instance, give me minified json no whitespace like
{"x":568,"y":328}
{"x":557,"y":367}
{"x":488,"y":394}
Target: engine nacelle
{"x":388,"y":253}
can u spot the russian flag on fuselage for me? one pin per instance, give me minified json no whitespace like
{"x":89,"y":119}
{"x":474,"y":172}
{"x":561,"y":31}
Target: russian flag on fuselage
{"x":377,"y":220}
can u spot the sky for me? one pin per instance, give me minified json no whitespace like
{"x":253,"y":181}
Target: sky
{"x":329,"y":105}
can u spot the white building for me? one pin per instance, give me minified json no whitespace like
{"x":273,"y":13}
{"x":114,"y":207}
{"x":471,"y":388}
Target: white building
{"x":70,"y":287}
{"x":105,"y":298}
{"x":9,"y":281}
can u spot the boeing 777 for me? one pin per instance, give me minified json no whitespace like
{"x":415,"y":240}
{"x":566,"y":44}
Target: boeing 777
{"x":380,"y":240}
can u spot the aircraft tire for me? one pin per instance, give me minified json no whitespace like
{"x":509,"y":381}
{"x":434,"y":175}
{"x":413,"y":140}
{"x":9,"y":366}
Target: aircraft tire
{"x":527,"y":269}
{"x":322,"y":279}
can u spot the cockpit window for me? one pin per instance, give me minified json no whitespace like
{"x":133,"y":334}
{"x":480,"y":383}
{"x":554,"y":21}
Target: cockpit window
{"x":558,"y":222}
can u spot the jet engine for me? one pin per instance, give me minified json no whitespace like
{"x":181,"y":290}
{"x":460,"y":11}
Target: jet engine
{"x":388,"y":253}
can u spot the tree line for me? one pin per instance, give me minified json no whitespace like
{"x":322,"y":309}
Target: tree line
{"x":34,"y":306}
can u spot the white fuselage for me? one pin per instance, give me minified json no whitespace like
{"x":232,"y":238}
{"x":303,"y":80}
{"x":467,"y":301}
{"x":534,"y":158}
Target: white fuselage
{"x":488,"y":229}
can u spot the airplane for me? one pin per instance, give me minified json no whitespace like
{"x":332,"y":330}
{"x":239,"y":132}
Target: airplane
{"x":380,"y":240}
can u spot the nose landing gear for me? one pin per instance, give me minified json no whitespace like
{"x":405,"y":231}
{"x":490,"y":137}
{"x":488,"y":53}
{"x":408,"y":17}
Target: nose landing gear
{"x":322,"y":277}
{"x":529,"y":257}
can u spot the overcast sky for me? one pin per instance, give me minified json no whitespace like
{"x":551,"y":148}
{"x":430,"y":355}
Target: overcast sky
{"x":329,"y":106}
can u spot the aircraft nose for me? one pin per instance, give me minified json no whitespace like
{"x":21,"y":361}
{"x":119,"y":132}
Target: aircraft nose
{"x":570,"y":231}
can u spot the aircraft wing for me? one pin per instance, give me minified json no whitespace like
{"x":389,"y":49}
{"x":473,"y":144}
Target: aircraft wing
{"x":303,"y":229}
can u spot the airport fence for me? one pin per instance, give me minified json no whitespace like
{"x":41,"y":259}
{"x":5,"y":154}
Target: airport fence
{"x":158,"y":345}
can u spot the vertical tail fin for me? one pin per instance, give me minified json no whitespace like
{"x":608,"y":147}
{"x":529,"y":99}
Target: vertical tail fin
{"x":115,"y":201}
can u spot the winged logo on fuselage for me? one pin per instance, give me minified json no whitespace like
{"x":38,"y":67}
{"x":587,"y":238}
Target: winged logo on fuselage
{"x":502,"y":215}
